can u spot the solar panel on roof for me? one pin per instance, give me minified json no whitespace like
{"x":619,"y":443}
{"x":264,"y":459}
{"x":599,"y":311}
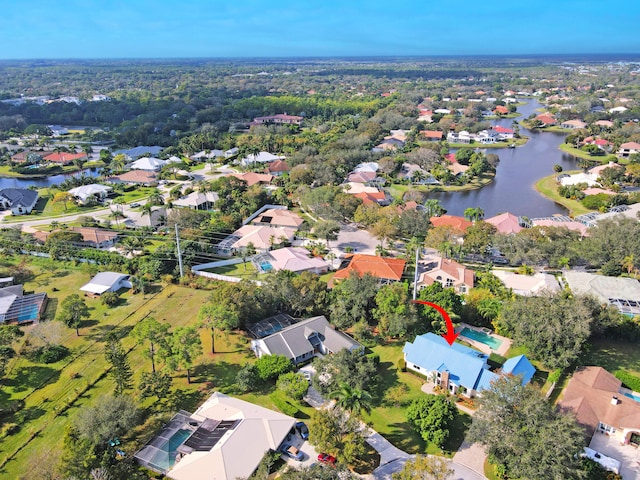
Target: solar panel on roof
{"x":209,"y":434}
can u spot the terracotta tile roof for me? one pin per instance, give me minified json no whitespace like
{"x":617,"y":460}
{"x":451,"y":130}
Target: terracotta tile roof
{"x":95,"y":235}
{"x":369,"y":197}
{"x":361,"y":177}
{"x":500,"y":129}
{"x":381,"y":267}
{"x":277,"y":166}
{"x":631,"y":146}
{"x":279,"y":217}
{"x":589,"y":395}
{"x":252,"y":178}
{"x":459,"y":223}
{"x":64,"y":157}
{"x":505,"y":223}
{"x":432,"y":134}
{"x":437,"y":266}
{"x":501,"y":109}
{"x":546,"y":119}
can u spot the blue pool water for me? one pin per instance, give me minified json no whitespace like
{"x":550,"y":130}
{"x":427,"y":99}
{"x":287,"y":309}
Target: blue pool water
{"x":29,"y":313}
{"x":481,"y":337}
{"x":631,"y":395}
{"x":266,"y":267}
{"x":165,"y":458}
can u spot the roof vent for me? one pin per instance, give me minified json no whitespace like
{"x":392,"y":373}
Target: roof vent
{"x":615,"y":400}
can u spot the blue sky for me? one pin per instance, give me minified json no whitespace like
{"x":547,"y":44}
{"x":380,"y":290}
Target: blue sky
{"x":262,"y":28}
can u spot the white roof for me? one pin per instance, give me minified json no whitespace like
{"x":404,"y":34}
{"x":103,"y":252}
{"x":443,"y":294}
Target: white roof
{"x":528,"y":285}
{"x":587,"y":178}
{"x":239,"y":451}
{"x":262,"y":157}
{"x":261,"y":236}
{"x":603,"y":287}
{"x":367,"y":167}
{"x":195,"y":199}
{"x":85,"y":190}
{"x":103,"y":282}
{"x":148,"y":163}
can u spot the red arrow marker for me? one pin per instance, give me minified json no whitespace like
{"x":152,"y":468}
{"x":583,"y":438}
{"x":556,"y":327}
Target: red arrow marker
{"x":450,"y":336}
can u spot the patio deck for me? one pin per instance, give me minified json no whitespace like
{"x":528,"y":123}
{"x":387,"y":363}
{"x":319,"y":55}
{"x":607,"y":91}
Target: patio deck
{"x":628,"y":455}
{"x":502,"y":349}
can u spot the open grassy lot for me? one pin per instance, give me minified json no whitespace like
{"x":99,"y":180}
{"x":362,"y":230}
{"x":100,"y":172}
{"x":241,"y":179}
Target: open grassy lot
{"x":548,"y":187}
{"x":391,"y":420}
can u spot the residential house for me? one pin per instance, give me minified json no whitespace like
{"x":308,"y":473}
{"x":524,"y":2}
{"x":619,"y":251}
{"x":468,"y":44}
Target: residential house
{"x":619,"y":292}
{"x":361,"y":177}
{"x":601,"y":405}
{"x":618,"y":109}
{"x":263,"y":238}
{"x":293,"y":259}
{"x":573,"y":124}
{"x":506,"y":223}
{"x":197,"y":200}
{"x":460,"y":224}
{"x":20,"y":201}
{"x":503,"y":132}
{"x":224,"y":439}
{"x":137,"y":152}
{"x":261,"y":157}
{"x":301,"y":341}
{"x":106,"y":282}
{"x":387,"y":270}
{"x":571,"y":225}
{"x":367,"y":167}
{"x":445,"y":271}
{"x":604,"y":123}
{"x":26,"y":156}
{"x":432,"y":135}
{"x":601,"y":143}
{"x":590,"y":179}
{"x":252,"y":178}
{"x":629,"y":148}
{"x":547,"y":119}
{"x":460,"y":137}
{"x":277,"y":168}
{"x":369,"y":198}
{"x":135,"y":177}
{"x":17,"y":307}
{"x":207,"y":155}
{"x":65,"y":158}
{"x":279,"y":217}
{"x":91,"y":237}
{"x":148,"y":164}
{"x":280,"y":118}
{"x":528,"y":285}
{"x":456,"y":368}
{"x":95,"y":190}
{"x":58,"y":130}
{"x":501,"y":110}
{"x":597,"y":170}
{"x":416,"y":174}
{"x":487,"y":137}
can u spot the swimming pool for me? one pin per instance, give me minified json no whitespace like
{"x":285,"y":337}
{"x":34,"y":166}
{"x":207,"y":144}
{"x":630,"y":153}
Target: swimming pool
{"x":492,"y":342}
{"x":165,"y":456}
{"x":634,"y":397}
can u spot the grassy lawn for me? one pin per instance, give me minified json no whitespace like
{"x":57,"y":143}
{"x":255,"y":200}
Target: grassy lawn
{"x":576,"y":152}
{"x":548,"y":187}
{"x":612,"y":355}
{"x":48,"y":389}
{"x":240,"y":270}
{"x":391,"y":420}
{"x":398,"y":190}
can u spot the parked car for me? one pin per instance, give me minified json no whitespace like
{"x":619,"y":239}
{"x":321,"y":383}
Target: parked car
{"x":292,"y":452}
{"x":326,"y":459}
{"x":306,"y":374}
{"x":303,"y":430}
{"x":134,"y":205}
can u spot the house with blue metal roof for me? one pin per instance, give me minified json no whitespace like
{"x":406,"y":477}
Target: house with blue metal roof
{"x":457,"y":368}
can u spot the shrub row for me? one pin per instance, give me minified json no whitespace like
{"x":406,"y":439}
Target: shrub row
{"x":628,"y":379}
{"x":283,"y":405}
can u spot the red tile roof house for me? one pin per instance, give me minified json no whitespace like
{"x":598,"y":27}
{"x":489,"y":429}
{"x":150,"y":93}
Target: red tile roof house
{"x":64,"y":158}
{"x":277,"y":168}
{"x":503,"y":132}
{"x":432,"y":135}
{"x":502,"y":110}
{"x":91,"y":237}
{"x":370,"y":197}
{"x":629,"y":148}
{"x":505,"y":223}
{"x":448,"y":272}
{"x":387,"y":270}
{"x":253,"y":178}
{"x":457,"y":223}
{"x":547,"y":119}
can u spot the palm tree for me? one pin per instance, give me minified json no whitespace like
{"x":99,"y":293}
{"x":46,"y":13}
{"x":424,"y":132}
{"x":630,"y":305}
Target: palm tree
{"x":474,"y":214}
{"x":352,"y":399}
{"x":117,"y":163}
{"x":156,"y":197}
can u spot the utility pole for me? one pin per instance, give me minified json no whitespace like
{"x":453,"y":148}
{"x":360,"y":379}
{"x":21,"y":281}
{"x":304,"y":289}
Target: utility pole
{"x":179,"y":252}
{"x":415,"y":275}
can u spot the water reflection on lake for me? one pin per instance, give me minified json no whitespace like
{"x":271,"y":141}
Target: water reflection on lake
{"x":519,"y":168}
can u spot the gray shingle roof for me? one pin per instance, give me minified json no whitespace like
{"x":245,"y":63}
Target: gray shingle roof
{"x":20,"y":197}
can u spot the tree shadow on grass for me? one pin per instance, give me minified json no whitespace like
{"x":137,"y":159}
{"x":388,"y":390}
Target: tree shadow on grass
{"x":221,"y":374}
{"x":387,"y":378}
{"x":101,"y":332}
{"x":405,"y":437}
{"x":457,"y":432}
{"x":29,"y":414}
{"x":33,"y":377}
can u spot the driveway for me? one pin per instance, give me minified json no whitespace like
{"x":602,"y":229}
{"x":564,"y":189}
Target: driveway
{"x":628,"y":455}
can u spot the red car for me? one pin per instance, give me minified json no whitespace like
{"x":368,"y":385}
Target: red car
{"x":326,"y":458}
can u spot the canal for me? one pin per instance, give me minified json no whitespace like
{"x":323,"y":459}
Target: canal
{"x":44,"y":181}
{"x":519,"y":169}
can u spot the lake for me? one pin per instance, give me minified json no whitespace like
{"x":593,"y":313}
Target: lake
{"x":519,"y":169}
{"x":45,"y":181}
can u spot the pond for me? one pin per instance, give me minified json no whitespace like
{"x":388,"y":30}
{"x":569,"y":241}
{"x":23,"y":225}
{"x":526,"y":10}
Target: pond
{"x":519,"y":169}
{"x":45,"y":181}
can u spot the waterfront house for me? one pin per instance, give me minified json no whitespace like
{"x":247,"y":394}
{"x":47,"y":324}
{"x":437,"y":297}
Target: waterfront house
{"x":505,"y":223}
{"x":95,"y":190}
{"x":629,"y":148}
{"x":65,"y":158}
{"x":135,"y":177}
{"x":573,"y":124}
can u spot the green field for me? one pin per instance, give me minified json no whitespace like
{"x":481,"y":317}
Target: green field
{"x":576,"y":152}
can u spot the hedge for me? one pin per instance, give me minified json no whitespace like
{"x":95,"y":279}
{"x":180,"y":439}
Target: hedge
{"x":628,"y":379}
{"x":283,"y":405}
